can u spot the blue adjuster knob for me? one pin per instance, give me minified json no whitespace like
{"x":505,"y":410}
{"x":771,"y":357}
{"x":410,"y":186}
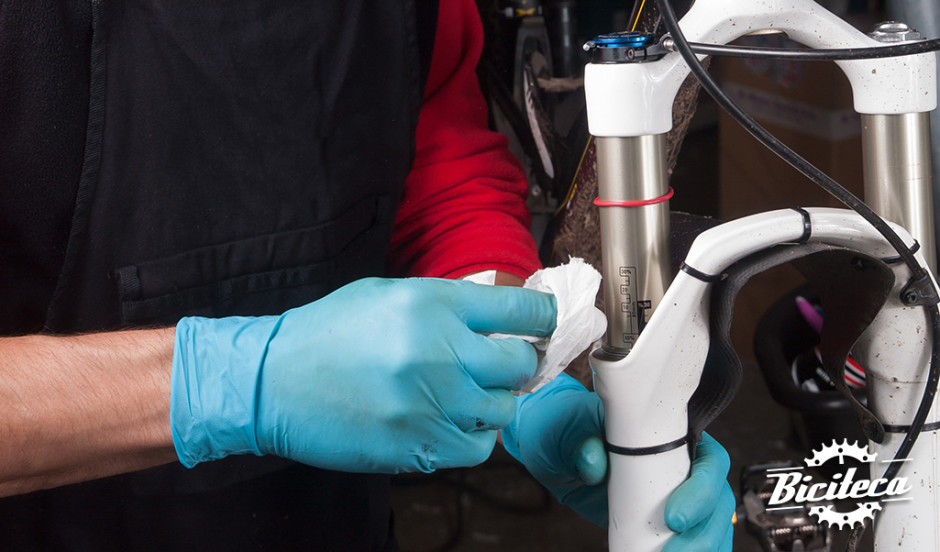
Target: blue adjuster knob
{"x":625,"y":39}
{"x":621,"y":47}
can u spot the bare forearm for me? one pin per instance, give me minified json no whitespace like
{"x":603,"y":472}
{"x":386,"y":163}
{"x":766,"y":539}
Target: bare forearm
{"x":507,"y":279}
{"x":83,"y":407}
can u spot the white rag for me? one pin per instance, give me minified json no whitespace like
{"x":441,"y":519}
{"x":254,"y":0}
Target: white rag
{"x":579,"y":322}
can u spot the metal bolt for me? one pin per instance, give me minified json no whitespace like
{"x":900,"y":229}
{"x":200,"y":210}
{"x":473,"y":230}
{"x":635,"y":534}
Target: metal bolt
{"x":894,"y":31}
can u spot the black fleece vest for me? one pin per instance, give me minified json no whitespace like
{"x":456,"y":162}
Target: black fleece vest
{"x":164,"y":158}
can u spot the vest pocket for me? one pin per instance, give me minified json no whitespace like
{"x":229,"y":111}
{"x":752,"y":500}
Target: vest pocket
{"x":265,"y":274}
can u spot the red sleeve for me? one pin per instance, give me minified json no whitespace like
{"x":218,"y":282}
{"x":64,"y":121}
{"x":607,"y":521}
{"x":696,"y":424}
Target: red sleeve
{"x":463,"y":208}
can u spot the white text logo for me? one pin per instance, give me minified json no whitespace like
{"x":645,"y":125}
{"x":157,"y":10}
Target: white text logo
{"x":793,"y":485}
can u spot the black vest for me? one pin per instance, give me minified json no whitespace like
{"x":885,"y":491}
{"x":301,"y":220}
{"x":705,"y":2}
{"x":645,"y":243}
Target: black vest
{"x":164,"y":158}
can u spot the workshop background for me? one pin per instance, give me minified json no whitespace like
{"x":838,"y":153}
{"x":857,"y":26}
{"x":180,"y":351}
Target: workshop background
{"x":531,"y":74}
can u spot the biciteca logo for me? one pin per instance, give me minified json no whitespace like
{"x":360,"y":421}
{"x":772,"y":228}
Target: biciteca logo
{"x":849,"y":500}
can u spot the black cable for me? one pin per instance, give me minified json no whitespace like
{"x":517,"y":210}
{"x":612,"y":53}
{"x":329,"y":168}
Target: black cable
{"x":809,"y":54}
{"x":781,"y":149}
{"x":843,"y":195}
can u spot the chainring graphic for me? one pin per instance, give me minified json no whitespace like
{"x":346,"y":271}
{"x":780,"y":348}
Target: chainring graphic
{"x":840,"y":451}
{"x":843,"y":520}
{"x":864,"y":510}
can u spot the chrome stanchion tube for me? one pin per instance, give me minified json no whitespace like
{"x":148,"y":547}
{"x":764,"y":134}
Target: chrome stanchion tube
{"x":897,"y":165}
{"x":634,"y":238}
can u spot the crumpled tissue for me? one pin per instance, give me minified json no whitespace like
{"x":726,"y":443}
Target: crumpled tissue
{"x":579,"y":322}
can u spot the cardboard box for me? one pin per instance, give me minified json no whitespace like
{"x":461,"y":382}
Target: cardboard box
{"x":806,"y":105}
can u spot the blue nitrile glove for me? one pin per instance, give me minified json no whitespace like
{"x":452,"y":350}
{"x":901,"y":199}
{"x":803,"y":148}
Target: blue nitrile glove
{"x":380,"y":376}
{"x":700,"y":510}
{"x":556,"y":434}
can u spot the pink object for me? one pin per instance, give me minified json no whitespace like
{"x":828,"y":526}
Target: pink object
{"x":810,"y":314}
{"x":854,"y":373}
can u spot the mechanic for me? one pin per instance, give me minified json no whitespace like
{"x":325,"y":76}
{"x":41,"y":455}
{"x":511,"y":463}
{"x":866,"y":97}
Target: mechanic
{"x":195,"y":200}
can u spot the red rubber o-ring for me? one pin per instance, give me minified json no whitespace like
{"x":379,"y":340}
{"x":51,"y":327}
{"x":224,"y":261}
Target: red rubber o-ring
{"x":637,"y":203}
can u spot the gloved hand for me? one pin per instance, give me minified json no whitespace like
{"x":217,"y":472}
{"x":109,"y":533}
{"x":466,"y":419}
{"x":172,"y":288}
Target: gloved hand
{"x":700,"y":510}
{"x":380,"y":376}
{"x":556,"y":434}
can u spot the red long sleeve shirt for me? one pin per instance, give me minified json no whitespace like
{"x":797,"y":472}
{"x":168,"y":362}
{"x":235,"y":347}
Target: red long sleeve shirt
{"x":463,"y":209}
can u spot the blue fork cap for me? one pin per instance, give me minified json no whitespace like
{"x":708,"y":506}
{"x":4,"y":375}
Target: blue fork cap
{"x":625,"y":39}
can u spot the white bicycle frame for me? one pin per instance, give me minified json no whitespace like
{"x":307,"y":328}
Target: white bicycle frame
{"x":646,"y":379}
